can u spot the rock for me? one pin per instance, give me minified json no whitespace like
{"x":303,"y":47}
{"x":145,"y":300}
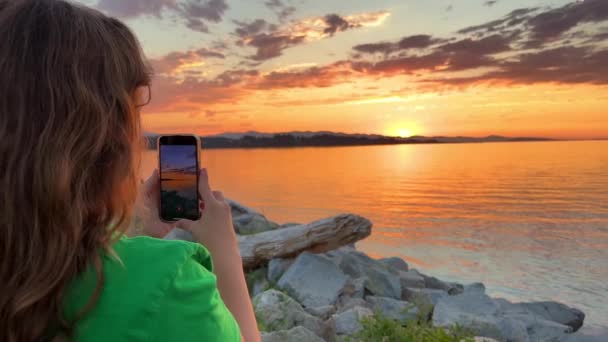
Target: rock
{"x":238,"y":209}
{"x":180,"y":234}
{"x":248,"y":224}
{"x":483,"y":339}
{"x":337,"y":254}
{"x":450,"y":288}
{"x":395,"y":263}
{"x":295,"y":334}
{"x":313,"y":280}
{"x":383,"y":283}
{"x":411,"y":279}
{"x":473,"y":310}
{"x":475,"y":288}
{"x":556,"y":312}
{"x":278,"y":311}
{"x":502,"y":320}
{"x":349,"y":321}
{"x":398,"y":310}
{"x":256,"y":281}
{"x":276,"y":268}
{"x":544,"y":330}
{"x":379,"y":280}
{"x":355,"y":288}
{"x":595,"y":336}
{"x":423,"y":297}
{"x":323,"y":312}
{"x":346,"y":303}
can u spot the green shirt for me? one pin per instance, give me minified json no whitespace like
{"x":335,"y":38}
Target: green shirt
{"x":159,"y":290}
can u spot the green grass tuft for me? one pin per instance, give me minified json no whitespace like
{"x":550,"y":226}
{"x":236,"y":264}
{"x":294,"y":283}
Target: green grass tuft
{"x":379,"y":328}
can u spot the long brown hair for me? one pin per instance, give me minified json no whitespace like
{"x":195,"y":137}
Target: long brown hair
{"x":69,"y":154}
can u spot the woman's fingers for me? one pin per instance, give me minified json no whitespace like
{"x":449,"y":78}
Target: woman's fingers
{"x":203,"y":186}
{"x":218,"y":196}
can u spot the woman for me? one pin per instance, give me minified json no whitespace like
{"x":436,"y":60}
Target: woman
{"x":72,"y":82}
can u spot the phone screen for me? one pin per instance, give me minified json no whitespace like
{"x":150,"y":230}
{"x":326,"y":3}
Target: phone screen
{"x":178,"y":158}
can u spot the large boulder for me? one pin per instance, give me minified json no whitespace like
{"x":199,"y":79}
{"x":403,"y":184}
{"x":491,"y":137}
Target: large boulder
{"x":238,"y":209}
{"x":349,"y":321}
{"x":347,"y":303}
{"x":383,"y":283}
{"x":323,"y":312}
{"x":276,"y":268}
{"x":553,"y":311}
{"x":423,"y":297}
{"x":397,"y":264}
{"x":295,"y":334}
{"x":248,"y":224}
{"x":313,"y":280}
{"x":277,"y":311}
{"x":502,"y":320}
{"x":398,"y":310}
{"x":471,"y":309}
{"x":256,"y":281}
{"x":355,"y":288}
{"x":411,"y":280}
{"x":434,"y":283}
{"x":379,"y":279}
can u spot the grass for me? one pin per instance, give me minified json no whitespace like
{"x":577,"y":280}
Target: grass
{"x":379,"y":328}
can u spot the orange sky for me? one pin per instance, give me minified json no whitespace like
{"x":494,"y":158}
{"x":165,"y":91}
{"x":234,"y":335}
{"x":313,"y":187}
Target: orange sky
{"x":516,"y":68}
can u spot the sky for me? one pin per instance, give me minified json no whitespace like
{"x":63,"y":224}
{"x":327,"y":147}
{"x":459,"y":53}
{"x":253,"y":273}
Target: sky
{"x":393,"y":67}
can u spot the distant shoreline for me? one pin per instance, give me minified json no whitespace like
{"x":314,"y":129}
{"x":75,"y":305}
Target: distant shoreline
{"x":311,"y":139}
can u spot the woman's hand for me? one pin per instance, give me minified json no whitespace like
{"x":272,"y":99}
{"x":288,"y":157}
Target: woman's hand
{"x":214,"y":229}
{"x":146,"y":220}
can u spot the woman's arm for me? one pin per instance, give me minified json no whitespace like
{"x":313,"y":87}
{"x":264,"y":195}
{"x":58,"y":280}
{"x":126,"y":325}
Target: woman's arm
{"x":215,"y":231}
{"x":228,"y":268}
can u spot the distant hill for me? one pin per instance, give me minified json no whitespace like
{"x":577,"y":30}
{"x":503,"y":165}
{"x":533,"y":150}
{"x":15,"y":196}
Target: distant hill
{"x":254,"y":139}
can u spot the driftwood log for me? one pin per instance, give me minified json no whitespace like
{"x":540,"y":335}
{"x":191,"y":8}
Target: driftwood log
{"x":319,"y":236}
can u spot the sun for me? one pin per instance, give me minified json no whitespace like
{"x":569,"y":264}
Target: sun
{"x":404,"y":132}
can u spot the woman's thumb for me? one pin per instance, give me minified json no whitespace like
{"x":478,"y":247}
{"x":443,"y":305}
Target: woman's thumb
{"x":184,"y":224}
{"x":203,"y":186}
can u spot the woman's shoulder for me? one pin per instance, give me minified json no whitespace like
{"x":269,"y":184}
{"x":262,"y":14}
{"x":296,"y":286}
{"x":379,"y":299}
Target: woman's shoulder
{"x":139,"y":275}
{"x":163,"y":255}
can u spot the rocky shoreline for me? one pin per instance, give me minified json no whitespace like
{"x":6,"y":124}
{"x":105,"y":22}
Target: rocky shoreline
{"x":320,"y":290}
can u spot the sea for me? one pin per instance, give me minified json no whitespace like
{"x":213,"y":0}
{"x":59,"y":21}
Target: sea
{"x":528,"y":219}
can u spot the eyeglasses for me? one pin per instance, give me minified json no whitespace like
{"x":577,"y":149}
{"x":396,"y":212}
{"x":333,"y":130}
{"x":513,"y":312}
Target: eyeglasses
{"x":145,"y":95}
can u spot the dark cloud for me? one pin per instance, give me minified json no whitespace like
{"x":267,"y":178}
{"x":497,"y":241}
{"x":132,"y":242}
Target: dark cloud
{"x":272,"y":45}
{"x":270,"y":40}
{"x":490,"y":3}
{"x":514,"y":18}
{"x":318,"y":77}
{"x":336,"y":23}
{"x":198,"y":12}
{"x":411,"y":42}
{"x":497,"y":52}
{"x":134,"y":8}
{"x":282,"y":10}
{"x":174,"y":60}
{"x":257,"y":26}
{"x":195,"y":13}
{"x":564,"y":65}
{"x":484,"y":46}
{"x":552,"y":24}
{"x":511,"y":49}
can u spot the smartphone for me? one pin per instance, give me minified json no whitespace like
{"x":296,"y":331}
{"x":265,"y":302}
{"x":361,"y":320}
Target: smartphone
{"x":178,"y":157}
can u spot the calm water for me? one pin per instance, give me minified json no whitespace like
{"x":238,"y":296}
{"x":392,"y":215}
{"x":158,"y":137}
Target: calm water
{"x":530,"y":220}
